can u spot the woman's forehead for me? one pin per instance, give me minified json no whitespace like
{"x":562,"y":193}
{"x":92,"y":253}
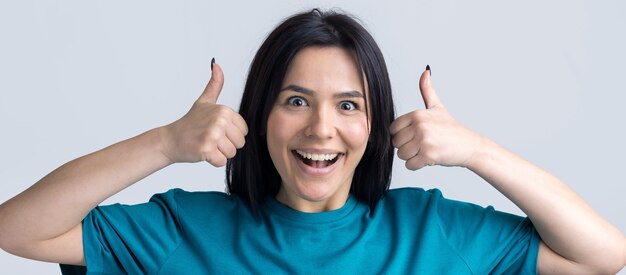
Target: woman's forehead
{"x":325,"y":69}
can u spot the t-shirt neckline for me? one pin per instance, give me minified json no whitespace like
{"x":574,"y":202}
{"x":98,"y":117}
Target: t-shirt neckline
{"x":318,"y":217}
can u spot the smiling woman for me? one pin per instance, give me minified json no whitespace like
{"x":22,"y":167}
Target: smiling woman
{"x":316,"y":136}
{"x":323,"y":59}
{"x":309,"y":158}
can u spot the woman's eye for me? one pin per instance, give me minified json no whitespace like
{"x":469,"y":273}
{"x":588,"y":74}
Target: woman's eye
{"x":347,"y":106}
{"x":296,"y":101}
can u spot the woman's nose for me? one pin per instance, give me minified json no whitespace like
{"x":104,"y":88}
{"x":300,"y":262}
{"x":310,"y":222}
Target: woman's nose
{"x":321,"y":124}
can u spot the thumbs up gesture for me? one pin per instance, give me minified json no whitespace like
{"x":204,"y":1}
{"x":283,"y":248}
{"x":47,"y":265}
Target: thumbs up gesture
{"x":432,"y":136}
{"x":208,"y":132}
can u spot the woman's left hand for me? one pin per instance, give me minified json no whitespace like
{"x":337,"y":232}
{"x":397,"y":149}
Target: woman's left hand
{"x":432,"y":136}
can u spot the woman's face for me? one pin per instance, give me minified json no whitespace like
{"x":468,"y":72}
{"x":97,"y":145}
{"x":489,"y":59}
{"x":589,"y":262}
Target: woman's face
{"x":318,"y":129}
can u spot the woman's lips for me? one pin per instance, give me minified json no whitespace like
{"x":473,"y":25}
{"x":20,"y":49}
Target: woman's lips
{"x":316,"y":156}
{"x":316,"y":167}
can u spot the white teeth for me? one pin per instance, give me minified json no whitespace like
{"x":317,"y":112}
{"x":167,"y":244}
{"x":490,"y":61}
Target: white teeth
{"x":317,"y":156}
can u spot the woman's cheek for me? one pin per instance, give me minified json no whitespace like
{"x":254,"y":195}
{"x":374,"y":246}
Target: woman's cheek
{"x":356,"y":133}
{"x":276,"y":136}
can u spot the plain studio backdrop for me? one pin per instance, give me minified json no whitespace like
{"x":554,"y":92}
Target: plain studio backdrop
{"x":543,"y":79}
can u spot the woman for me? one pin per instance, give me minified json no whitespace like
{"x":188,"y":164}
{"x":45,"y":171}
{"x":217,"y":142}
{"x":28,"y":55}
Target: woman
{"x":308,"y":166}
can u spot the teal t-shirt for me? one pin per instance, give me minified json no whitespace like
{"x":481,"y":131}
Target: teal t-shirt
{"x":410,"y":231}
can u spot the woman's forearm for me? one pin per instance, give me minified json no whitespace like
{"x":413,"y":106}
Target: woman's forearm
{"x":565,"y":222}
{"x":44,"y":222}
{"x":60,"y":200}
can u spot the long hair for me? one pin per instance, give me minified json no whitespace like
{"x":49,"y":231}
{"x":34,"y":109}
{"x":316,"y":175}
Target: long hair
{"x":251,"y":174}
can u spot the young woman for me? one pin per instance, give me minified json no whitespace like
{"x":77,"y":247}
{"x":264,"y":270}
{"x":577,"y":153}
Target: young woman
{"x":308,"y":161}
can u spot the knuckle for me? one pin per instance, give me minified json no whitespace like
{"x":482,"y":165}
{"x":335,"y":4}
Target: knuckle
{"x":220,"y":123}
{"x":223,"y":109}
{"x":402,"y":154}
{"x":417,"y":116}
{"x":394,"y":144}
{"x":206,"y":153}
{"x":220,"y":111}
{"x":232,"y":154}
{"x":217,"y":161}
{"x":241,"y":141}
{"x":213,"y":135}
{"x":230,"y":151}
{"x":409,"y":165}
{"x":402,"y":138}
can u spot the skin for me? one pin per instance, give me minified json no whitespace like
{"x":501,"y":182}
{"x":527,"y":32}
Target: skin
{"x":44,"y":221}
{"x":575,"y":238}
{"x":323,"y":112}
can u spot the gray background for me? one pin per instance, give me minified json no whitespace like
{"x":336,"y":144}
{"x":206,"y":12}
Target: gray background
{"x":543,"y":79}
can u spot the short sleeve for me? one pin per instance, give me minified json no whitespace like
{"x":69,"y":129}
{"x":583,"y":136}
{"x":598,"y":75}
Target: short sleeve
{"x":131,"y":239}
{"x":490,"y":241}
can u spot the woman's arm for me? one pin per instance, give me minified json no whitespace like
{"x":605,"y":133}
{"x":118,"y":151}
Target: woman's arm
{"x":44,"y":222}
{"x":575,"y":239}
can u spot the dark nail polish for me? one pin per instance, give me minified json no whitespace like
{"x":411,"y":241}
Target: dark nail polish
{"x":428,"y":69}
{"x":212,"y":62}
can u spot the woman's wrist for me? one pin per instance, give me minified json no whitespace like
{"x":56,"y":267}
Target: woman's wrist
{"x":483,"y":154}
{"x":159,"y":140}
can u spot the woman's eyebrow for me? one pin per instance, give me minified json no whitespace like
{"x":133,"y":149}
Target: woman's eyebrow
{"x":299,"y":89}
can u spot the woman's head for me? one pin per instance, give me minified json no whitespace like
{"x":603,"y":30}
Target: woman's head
{"x":318,"y":129}
{"x":251,"y":174}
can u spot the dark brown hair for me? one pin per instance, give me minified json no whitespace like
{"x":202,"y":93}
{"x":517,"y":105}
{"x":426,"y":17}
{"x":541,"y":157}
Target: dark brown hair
{"x":251,"y":174}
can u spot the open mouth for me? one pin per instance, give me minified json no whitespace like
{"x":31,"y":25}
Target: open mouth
{"x":316,"y":160}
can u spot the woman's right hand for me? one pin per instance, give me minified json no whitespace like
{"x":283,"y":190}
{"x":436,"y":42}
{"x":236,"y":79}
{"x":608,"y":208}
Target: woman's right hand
{"x":44,"y":222}
{"x":208,"y":132}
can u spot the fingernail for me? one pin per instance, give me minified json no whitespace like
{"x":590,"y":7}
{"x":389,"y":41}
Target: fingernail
{"x":212,"y":62}
{"x":428,"y":69}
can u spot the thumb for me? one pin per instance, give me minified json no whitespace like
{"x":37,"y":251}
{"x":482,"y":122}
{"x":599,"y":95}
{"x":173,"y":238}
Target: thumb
{"x":431,"y":99}
{"x":214,"y":87}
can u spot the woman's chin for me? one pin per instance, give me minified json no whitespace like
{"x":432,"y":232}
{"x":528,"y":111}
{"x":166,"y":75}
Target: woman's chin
{"x":314,"y":197}
{"x":317,"y":192}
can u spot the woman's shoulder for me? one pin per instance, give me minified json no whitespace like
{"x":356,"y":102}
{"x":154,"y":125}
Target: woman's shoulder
{"x":413,"y":192}
{"x":181,"y":194}
{"x":428,"y":199}
{"x":432,"y":201}
{"x":410,"y":200}
{"x":181,"y":197}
